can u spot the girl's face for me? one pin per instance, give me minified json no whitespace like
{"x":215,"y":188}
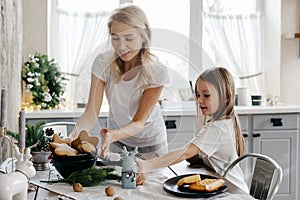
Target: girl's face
{"x":207,"y":97}
{"x":126,"y":40}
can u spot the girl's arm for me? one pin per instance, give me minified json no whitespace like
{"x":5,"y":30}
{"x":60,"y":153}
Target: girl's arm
{"x":90,"y":116}
{"x":168,"y":159}
{"x":147,"y":103}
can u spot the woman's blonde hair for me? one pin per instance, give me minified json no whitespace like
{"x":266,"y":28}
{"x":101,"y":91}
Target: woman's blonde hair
{"x":223,"y":81}
{"x":134,"y":16}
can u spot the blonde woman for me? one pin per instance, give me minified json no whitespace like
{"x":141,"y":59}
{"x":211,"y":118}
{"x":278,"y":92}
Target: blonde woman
{"x":133,"y":80}
{"x":219,"y":140}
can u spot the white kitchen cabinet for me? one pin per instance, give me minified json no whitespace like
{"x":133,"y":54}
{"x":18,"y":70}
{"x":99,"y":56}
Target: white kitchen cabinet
{"x":180,"y":129}
{"x":276,"y":135}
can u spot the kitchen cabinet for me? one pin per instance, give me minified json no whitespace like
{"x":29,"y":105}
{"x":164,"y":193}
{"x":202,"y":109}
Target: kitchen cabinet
{"x":277,"y":135}
{"x":180,"y":129}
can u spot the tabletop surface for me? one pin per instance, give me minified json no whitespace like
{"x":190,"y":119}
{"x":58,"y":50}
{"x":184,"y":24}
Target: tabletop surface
{"x":151,"y":189}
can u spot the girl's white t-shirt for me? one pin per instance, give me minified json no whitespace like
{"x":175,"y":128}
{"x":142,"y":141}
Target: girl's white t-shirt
{"x":124,"y":98}
{"x":216,"y":141}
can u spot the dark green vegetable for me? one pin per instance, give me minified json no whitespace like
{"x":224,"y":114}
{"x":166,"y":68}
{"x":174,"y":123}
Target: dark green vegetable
{"x":91,"y":176}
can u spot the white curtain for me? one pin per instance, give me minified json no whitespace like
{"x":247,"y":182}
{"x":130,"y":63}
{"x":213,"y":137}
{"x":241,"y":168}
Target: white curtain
{"x":237,"y":42}
{"x":74,"y":39}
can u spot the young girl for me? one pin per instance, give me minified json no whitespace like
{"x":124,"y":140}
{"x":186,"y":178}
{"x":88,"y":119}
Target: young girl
{"x":220,"y":140}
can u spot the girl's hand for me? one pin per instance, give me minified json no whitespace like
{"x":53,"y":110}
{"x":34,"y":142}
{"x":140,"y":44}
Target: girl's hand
{"x":140,"y":178}
{"x":105,"y":141}
{"x":142,"y":174}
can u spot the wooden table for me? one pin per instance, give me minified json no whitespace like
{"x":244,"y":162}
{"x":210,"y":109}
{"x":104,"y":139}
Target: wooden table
{"x":151,"y":189}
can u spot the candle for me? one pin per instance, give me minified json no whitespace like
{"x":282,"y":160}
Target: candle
{"x":4,"y":106}
{"x":22,"y":129}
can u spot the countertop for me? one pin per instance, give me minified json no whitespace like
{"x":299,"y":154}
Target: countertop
{"x":169,"y":110}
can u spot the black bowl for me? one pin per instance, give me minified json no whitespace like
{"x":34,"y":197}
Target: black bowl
{"x":78,"y":157}
{"x":67,"y":166}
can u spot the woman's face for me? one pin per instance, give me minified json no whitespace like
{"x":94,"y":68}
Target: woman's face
{"x":207,"y":97}
{"x":126,"y":40}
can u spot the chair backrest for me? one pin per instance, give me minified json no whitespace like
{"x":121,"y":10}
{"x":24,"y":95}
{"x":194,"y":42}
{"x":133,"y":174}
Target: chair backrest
{"x":263,"y":174}
{"x":64,"y":128}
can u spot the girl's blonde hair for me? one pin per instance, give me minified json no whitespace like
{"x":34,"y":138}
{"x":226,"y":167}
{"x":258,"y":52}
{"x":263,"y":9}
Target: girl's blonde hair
{"x":223,"y":81}
{"x":134,"y":16}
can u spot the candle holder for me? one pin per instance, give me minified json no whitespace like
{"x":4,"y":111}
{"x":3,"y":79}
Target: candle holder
{"x":6,"y":137}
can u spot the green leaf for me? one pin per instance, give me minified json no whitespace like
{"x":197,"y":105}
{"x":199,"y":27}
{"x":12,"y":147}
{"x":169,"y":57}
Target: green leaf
{"x":92,"y":176}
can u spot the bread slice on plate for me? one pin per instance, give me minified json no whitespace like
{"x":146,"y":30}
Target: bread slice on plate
{"x":188,"y":180}
{"x":207,"y":185}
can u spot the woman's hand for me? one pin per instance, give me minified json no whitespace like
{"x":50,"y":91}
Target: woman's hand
{"x":105,"y":141}
{"x":142,"y":174}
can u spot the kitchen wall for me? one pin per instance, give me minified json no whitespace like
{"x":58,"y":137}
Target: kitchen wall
{"x":34,"y":27}
{"x":283,"y":82}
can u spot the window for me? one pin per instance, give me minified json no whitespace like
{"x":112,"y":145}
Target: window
{"x":230,"y":6}
{"x":87,"y":5}
{"x":170,"y":29}
{"x":232,"y":37}
{"x":77,"y":30}
{"x":173,"y":24}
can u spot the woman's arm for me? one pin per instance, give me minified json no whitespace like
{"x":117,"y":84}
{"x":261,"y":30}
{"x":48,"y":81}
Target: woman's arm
{"x":147,"y":103}
{"x":168,"y":159}
{"x":90,"y":116}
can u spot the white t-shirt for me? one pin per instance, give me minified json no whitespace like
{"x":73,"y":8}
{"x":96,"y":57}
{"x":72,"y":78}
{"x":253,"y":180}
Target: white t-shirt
{"x":124,"y":98}
{"x":216,"y":141}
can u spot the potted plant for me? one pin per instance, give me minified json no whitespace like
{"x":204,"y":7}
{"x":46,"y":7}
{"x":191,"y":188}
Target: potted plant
{"x":45,"y":82}
{"x":38,"y":140}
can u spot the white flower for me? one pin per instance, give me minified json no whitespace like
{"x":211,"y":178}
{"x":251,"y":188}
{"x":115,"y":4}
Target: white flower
{"x":30,"y":86}
{"x":47,"y":97}
{"x":30,"y":80}
{"x":30,"y":74}
{"x":44,"y":105}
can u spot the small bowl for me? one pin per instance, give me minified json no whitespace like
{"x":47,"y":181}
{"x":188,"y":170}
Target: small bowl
{"x":65,"y":165}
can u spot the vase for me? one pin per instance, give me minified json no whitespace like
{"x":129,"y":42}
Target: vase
{"x":40,"y":160}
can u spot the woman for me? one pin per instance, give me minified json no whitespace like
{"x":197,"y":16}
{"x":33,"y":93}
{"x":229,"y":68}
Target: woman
{"x":133,"y":80}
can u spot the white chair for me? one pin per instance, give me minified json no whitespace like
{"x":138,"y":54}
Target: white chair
{"x":264,"y":172}
{"x":64,"y":128}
